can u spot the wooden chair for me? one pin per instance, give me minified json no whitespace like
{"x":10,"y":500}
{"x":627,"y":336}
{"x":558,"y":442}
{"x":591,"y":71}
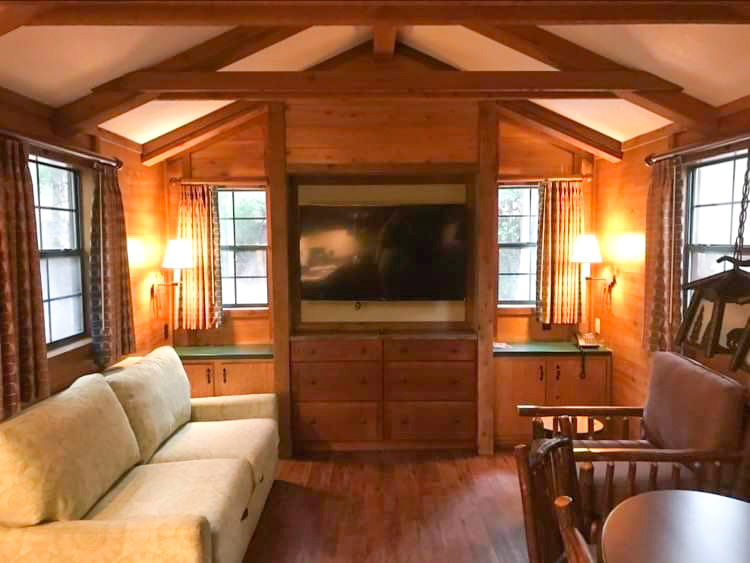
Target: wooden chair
{"x":546,"y":471}
{"x":576,"y":548}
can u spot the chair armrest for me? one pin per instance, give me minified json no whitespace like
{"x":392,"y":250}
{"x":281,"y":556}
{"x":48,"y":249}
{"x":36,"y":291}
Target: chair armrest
{"x":534,"y":410}
{"x":234,"y":407}
{"x":184,"y":538}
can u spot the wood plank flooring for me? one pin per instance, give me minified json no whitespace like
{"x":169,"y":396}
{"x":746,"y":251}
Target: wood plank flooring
{"x":392,"y":507}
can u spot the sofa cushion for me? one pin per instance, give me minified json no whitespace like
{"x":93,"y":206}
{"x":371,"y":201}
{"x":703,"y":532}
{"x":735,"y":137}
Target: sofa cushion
{"x":691,"y":406}
{"x":216,"y":489}
{"x":256,"y":440}
{"x":60,"y":456}
{"x":155,"y":393}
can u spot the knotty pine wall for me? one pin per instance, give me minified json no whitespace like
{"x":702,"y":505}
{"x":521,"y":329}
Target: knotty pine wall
{"x":371,"y":135}
{"x":621,"y":192}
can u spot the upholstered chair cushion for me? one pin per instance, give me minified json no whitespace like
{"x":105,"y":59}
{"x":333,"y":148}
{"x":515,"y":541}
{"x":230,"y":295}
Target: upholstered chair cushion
{"x":60,"y":456}
{"x":691,"y":406}
{"x":155,"y":393}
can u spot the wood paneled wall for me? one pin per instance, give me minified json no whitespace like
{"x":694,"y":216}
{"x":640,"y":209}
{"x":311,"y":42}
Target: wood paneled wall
{"x":621,"y":192}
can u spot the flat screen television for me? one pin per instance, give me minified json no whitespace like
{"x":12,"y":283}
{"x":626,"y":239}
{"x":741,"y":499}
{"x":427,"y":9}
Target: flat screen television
{"x":383,"y":253}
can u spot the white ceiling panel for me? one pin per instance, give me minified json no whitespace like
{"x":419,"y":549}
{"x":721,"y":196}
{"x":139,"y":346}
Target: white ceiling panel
{"x":617,"y":118}
{"x":709,"y":61}
{"x":57,"y":65}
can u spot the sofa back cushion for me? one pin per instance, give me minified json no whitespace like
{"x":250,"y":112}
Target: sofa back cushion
{"x":155,"y":393}
{"x":60,"y":456}
{"x":691,"y":406}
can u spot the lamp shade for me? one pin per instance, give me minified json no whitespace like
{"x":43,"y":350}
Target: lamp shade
{"x":586,"y":250}
{"x":179,"y":254}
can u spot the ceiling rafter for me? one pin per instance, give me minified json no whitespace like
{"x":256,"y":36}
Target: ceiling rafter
{"x":201,"y":131}
{"x":236,"y":44}
{"x":264,"y":85}
{"x":565,"y":55}
{"x":359,"y":12}
{"x":562,"y":128}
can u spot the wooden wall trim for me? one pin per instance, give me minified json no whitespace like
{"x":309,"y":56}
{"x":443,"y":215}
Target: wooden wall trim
{"x":280,"y":242}
{"x":485,"y":213}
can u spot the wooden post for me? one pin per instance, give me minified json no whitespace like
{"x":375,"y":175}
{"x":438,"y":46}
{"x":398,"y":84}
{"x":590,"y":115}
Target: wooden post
{"x":485,"y":236}
{"x":280,"y":307}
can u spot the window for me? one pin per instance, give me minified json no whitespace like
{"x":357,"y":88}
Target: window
{"x":713,"y":210}
{"x":57,"y":205}
{"x":244,"y":248}
{"x":518,"y":208}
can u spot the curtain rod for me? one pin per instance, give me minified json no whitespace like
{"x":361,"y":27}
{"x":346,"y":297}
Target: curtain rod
{"x":78,"y":153}
{"x":698,"y":147}
{"x":250,"y":181}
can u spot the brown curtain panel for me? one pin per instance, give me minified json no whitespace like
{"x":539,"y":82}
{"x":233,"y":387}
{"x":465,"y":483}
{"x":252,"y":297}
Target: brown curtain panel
{"x":662,"y":308}
{"x":199,"y":293}
{"x":111,"y":302}
{"x":23,"y":348}
{"x":558,"y":279}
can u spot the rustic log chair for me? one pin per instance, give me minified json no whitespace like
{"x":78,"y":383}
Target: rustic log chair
{"x":547,"y":470}
{"x":576,"y":548}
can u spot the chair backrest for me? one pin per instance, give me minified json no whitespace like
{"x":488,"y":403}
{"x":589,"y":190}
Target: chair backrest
{"x":545,"y":471}
{"x":576,"y":548}
{"x":674,"y":416}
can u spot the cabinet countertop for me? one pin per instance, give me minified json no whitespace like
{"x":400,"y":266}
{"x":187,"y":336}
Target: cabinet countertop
{"x":540,"y":348}
{"x":249,"y":351}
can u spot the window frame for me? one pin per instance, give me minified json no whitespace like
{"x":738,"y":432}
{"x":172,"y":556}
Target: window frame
{"x":689,"y":249}
{"x":506,"y":303}
{"x":253,"y":247}
{"x":39,"y":160}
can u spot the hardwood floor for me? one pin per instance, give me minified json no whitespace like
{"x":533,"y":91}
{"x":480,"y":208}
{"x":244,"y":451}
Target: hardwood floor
{"x":392,"y":507}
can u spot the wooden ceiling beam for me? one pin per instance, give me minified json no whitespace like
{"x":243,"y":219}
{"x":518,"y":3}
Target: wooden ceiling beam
{"x":201,"y":131}
{"x":422,"y":84}
{"x":395,"y":12}
{"x":13,"y":16}
{"x":565,"y":55}
{"x":236,"y":44}
{"x":562,"y":128}
{"x":384,"y":40}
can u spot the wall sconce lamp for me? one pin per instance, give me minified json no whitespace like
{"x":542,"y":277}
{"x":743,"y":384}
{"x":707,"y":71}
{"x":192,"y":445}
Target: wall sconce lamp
{"x":178,"y":256}
{"x":586,"y":252}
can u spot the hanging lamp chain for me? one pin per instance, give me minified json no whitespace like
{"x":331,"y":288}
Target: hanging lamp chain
{"x":739,"y":243}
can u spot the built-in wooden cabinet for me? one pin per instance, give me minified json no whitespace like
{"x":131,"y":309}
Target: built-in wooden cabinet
{"x":383,"y":391}
{"x":210,"y":378}
{"x":529,"y":379}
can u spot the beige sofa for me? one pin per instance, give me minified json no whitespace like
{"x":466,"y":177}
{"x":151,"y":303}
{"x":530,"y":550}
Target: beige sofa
{"x":127,"y":468}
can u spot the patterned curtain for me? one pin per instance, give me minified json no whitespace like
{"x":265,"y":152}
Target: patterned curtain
{"x":111,"y":303}
{"x":23,"y":349}
{"x":662,"y":308}
{"x":558,"y":286}
{"x":199,"y":293}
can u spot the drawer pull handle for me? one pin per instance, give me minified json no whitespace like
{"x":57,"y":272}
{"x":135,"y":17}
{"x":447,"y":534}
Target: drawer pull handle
{"x":454,"y":381}
{"x":312,"y":351}
{"x":541,"y":373}
{"x":557,"y":372}
{"x":454,"y":350}
{"x":313,"y":382}
{"x":404,"y":380}
{"x":404,"y":421}
{"x":363,"y":381}
{"x":208,"y":375}
{"x":363,"y":421}
{"x":456,"y":421}
{"x":404,"y":349}
{"x":313,"y":421}
{"x":225,"y":375}
{"x":364,"y":351}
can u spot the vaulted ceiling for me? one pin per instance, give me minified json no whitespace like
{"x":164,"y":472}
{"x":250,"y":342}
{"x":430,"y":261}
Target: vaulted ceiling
{"x":57,"y":65}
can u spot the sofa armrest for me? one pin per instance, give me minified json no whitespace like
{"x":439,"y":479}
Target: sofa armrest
{"x":184,"y":538}
{"x":234,"y":407}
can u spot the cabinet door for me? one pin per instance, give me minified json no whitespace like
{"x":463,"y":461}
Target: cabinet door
{"x":201,"y":376}
{"x":244,"y":377}
{"x":518,"y":381}
{"x":571,"y":384}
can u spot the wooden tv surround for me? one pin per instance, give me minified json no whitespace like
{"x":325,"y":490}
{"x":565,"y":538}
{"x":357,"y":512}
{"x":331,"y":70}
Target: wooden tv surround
{"x":358,"y":392}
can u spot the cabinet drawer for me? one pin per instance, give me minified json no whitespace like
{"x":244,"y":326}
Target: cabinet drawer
{"x":430,"y":381}
{"x":340,"y":422}
{"x":201,"y":377}
{"x":430,"y":421}
{"x":336,"y":350}
{"x":337,"y":381}
{"x":409,"y":349}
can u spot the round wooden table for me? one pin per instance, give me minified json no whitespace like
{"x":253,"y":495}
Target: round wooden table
{"x":677,"y":527}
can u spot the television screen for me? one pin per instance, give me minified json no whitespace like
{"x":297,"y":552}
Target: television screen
{"x":397,"y":253}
